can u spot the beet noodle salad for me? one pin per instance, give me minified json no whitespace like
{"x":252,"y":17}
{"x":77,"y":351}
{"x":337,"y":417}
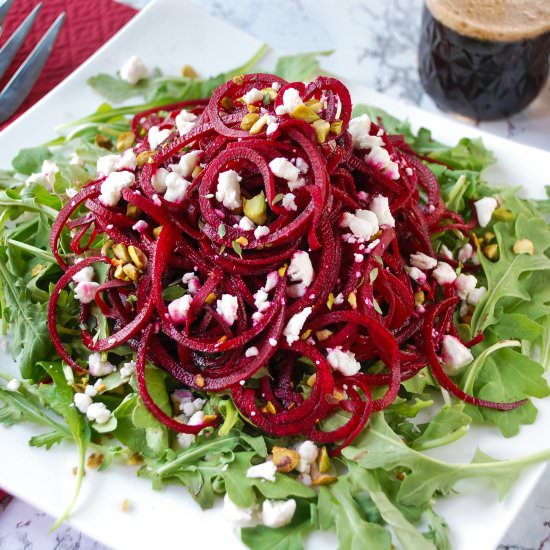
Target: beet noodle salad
{"x":260,"y":293}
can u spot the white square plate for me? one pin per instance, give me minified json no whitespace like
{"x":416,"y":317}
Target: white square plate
{"x":168,"y":34}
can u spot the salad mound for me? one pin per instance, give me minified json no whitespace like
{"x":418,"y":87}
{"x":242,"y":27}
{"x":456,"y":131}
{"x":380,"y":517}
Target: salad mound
{"x":299,"y":244}
{"x":254,"y":290}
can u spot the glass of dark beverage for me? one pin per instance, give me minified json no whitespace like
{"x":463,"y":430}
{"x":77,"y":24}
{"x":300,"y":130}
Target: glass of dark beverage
{"x":485,"y":59}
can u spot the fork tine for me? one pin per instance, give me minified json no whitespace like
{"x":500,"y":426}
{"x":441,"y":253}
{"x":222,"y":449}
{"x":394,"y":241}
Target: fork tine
{"x":4,"y":8}
{"x":23,"y":80}
{"x":12,"y":45}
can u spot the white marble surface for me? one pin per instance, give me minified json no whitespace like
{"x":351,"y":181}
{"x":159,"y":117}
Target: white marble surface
{"x":374,"y":43}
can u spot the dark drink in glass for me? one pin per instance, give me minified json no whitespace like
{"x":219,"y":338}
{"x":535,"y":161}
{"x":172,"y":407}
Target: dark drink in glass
{"x":485,"y":59}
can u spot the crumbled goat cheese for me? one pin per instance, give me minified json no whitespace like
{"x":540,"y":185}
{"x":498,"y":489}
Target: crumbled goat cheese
{"x":247,"y":224}
{"x":475,"y":295}
{"x":85,"y":275}
{"x":464,"y":284}
{"x":277,"y":513}
{"x":380,"y":159}
{"x":289,"y":202}
{"x":484,"y":210}
{"x":283,"y":168}
{"x":261,"y":231}
{"x":187,"y":164}
{"x":253,"y":96}
{"x":301,"y":268}
{"x":422,"y":261}
{"x":444,"y":274}
{"x":380,"y":206}
{"x":228,"y":191}
{"x":343,"y":361}
{"x":291,"y":100}
{"x":155,"y":136}
{"x":127,"y":369}
{"x":228,"y":308}
{"x":185,"y":121}
{"x":302,"y":165}
{"x":196,"y":419}
{"x":13,"y":385}
{"x":295,"y":325}
{"x":99,"y":413}
{"x":445,"y":252}
{"x":176,"y":188}
{"x":416,"y":274}
{"x":85,"y":291}
{"x":185,"y":440}
{"x":252,"y":351}
{"x":158,"y":181}
{"x":140,"y":226}
{"x":465,"y":253}
{"x":82,"y":402}
{"x":112,"y":186}
{"x":179,"y":308}
{"x":98,"y":367}
{"x":266,"y":470}
{"x":134,"y":70}
{"x":363,"y":224}
{"x":455,"y":355}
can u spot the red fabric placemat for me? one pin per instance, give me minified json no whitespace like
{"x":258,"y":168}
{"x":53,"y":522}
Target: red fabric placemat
{"x":88,"y":25}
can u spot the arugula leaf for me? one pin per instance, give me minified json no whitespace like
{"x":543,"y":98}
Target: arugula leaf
{"x":300,"y":67}
{"x":380,"y":447}
{"x":30,"y":160}
{"x":438,"y":531}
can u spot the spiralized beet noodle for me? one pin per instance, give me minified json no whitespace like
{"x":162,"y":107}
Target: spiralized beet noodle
{"x":359,"y":305}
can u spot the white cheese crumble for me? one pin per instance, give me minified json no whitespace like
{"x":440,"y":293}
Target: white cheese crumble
{"x":445,"y":252}
{"x":85,"y":291}
{"x":283,"y":168}
{"x":185,"y":121}
{"x":187,"y":164}
{"x":343,"y":361}
{"x":475,"y":295}
{"x":455,"y":355}
{"x":422,"y":261}
{"x":484,"y":210}
{"x":98,"y":367}
{"x":300,"y":268}
{"x":359,"y":128}
{"x":176,"y":188}
{"x":228,"y":191}
{"x":240,"y":517}
{"x":228,"y":308}
{"x":253,"y":96}
{"x":363,"y":224}
{"x":380,"y":206}
{"x":85,"y":275}
{"x":444,"y":274}
{"x":247,"y":224}
{"x":158,"y":180}
{"x":277,"y":513}
{"x":252,"y":351}
{"x":99,"y":413}
{"x":134,"y":70}
{"x":291,"y":100}
{"x":416,"y":274}
{"x":465,"y":253}
{"x":179,"y":308}
{"x":82,"y":402}
{"x":380,"y":159}
{"x":261,"y":231}
{"x":289,"y":202}
{"x":464,"y":284}
{"x":127,"y":369}
{"x":112,"y":186}
{"x":14,"y":384}
{"x":266,"y":470}
{"x":295,"y":325}
{"x":155,"y":136}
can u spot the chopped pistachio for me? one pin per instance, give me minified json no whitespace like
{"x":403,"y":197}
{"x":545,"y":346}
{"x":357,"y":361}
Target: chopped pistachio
{"x":419,"y":298}
{"x":37,"y":269}
{"x":95,"y":460}
{"x":252,"y":108}
{"x":121,"y":252}
{"x":125,"y":141}
{"x":259,"y":125}
{"x":131,"y":272}
{"x":103,"y":141}
{"x":107,"y":245}
{"x":315,"y":105}
{"x":324,"y":461}
{"x":243,"y":241}
{"x":336,"y":127}
{"x":249,"y":120}
{"x":488,"y":236}
{"x":491,"y":251}
{"x":303,"y":112}
{"x":504,"y":215}
{"x":132,"y":211}
{"x":352,"y":300}
{"x":524,"y":246}
{"x":330,"y":300}
{"x":119,"y":273}
{"x":211,"y":298}
{"x":324,"y":334}
{"x":196,"y":171}
{"x":311,"y":380}
{"x":238,"y":79}
{"x":144,"y":157}
{"x":209,"y":417}
{"x":282,"y":270}
{"x":138,"y":257}
{"x":270,"y":408}
{"x":156,"y":231}
{"x":322,"y":128}
{"x":285,"y":459}
{"x":269,"y":95}
{"x":227,"y":103}
{"x":306,"y":334}
{"x":256,"y":208}
{"x":189,"y":72}
{"x":323,"y":479}
{"x":200,"y":381}
{"x":125,"y":505}
{"x":134,"y":459}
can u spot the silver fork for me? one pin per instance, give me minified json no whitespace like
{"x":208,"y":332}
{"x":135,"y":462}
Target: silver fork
{"x":21,"y":83}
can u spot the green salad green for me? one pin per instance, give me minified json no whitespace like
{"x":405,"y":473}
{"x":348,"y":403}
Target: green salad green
{"x":384,"y":482}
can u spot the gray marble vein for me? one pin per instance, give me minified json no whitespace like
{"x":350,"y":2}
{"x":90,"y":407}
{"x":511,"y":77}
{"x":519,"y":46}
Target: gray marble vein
{"x":374,"y":43}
